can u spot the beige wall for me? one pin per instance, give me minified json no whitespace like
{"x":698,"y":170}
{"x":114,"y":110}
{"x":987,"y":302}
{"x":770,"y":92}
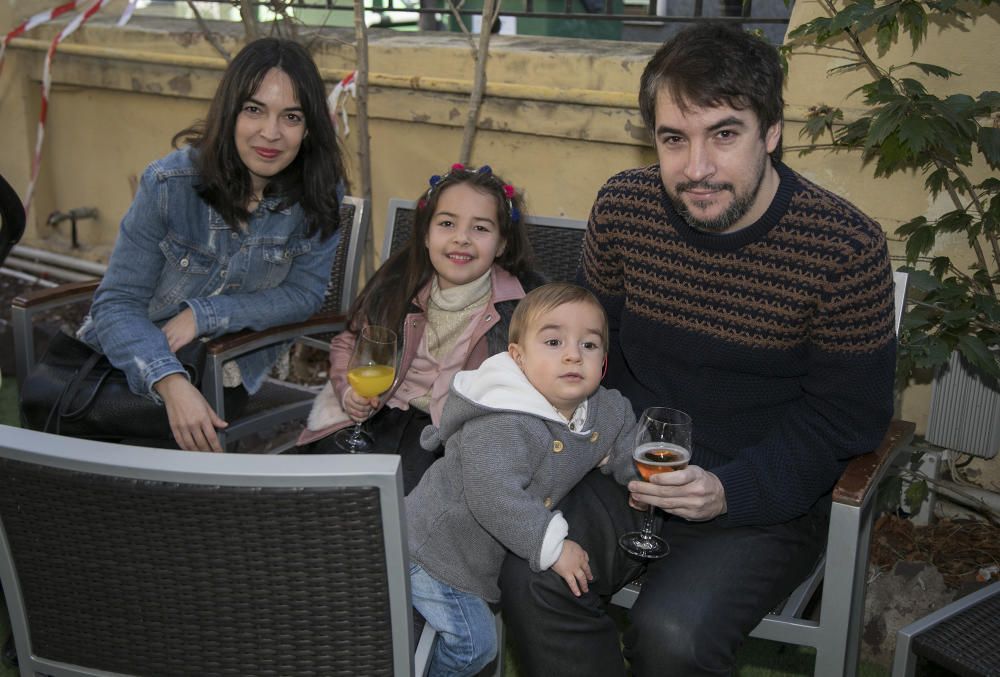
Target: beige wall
{"x":560,"y":119}
{"x":973,"y":53}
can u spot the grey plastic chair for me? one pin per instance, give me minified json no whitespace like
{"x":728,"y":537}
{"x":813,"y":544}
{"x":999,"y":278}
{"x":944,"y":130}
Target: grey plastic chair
{"x":123,"y":560}
{"x":842,"y":571}
{"x":277,"y":402}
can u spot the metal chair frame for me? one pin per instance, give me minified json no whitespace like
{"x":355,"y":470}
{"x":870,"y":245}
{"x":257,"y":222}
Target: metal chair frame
{"x":905,"y":660}
{"x":32,"y":551}
{"x":842,"y":571}
{"x":294,"y":400}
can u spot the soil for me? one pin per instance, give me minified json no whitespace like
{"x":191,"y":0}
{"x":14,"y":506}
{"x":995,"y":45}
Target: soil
{"x":966,"y":552}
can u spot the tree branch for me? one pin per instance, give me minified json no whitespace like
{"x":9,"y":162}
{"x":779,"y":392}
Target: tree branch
{"x":207,"y":32}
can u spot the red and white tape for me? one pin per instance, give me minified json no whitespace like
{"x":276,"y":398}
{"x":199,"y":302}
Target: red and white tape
{"x":90,"y":8}
{"x":347,"y":86}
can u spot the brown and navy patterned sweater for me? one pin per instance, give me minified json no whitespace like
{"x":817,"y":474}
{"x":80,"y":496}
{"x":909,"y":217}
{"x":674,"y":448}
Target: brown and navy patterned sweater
{"x":777,"y":339}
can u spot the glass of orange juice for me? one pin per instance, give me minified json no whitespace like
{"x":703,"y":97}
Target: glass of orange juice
{"x":370,"y":371}
{"x":662,"y":444}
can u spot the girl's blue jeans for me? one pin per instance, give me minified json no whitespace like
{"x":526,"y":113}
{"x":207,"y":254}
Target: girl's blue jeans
{"x":467,"y":638}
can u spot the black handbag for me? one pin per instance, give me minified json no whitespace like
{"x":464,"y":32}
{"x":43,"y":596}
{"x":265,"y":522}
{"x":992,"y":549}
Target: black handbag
{"x":73,"y":390}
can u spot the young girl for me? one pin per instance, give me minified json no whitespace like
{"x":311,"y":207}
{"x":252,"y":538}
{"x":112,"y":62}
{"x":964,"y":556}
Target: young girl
{"x":449,"y":295}
{"x":235,"y":230}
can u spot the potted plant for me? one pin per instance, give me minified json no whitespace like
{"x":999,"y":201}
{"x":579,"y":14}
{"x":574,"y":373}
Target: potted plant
{"x":954,"y":304}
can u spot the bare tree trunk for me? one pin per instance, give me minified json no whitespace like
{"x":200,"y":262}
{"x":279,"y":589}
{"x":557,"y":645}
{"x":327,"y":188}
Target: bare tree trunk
{"x":364,"y":142}
{"x":207,"y":32}
{"x":248,"y":13}
{"x":491,"y":8}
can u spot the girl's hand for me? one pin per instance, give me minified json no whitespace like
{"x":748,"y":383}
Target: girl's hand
{"x":192,"y":420}
{"x":573,"y":565}
{"x":357,"y":407}
{"x":180,"y":330}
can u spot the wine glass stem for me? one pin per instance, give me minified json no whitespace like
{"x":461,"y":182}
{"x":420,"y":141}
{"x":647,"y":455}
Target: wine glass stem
{"x":647,"y":525}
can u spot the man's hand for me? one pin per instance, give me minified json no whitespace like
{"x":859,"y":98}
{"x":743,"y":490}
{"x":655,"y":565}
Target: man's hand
{"x":192,"y":420}
{"x":180,"y":330}
{"x":692,"y":493}
{"x":573,"y":565}
{"x":357,"y":407}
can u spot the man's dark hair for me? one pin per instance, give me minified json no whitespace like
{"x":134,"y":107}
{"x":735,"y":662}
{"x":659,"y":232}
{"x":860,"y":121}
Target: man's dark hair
{"x":712,"y":64}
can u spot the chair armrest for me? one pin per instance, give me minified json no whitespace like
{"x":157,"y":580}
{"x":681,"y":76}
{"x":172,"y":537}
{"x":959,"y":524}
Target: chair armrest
{"x":864,"y":472}
{"x":239,"y":343}
{"x":43,"y":299}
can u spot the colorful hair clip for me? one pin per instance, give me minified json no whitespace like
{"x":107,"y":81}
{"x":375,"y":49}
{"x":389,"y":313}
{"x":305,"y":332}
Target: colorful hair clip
{"x":458,"y":165}
{"x":485,"y":169}
{"x":421,"y":203}
{"x":435,"y":179}
{"x":508,"y":190}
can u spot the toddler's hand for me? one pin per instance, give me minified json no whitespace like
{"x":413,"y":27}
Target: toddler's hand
{"x":573,"y":565}
{"x":357,"y":407}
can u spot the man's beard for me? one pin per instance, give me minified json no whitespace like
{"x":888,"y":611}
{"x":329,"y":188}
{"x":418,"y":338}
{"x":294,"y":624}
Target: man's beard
{"x":737,"y":209}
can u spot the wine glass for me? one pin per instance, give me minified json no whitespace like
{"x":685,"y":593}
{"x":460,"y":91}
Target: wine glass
{"x":370,"y":372}
{"x":662,"y":444}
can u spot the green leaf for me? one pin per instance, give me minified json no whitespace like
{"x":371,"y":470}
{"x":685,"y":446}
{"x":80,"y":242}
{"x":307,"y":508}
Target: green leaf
{"x":911,"y":226}
{"x":990,"y":185}
{"x":914,"y":21}
{"x":939,"y":265}
{"x":916,"y":494}
{"x":976,"y":352}
{"x":919,"y":243}
{"x":955,"y":221}
{"x":932,"y":69}
{"x":989,"y":145}
{"x":959,"y":317}
{"x":936,"y":181}
{"x":989,"y":100}
{"x":915,"y":133}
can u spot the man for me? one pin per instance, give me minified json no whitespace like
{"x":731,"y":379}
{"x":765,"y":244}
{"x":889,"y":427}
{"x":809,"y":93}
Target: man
{"x":759,"y":303}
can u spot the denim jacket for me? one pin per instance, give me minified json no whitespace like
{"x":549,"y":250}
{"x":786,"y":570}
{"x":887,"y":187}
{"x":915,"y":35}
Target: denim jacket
{"x":174,"y":251}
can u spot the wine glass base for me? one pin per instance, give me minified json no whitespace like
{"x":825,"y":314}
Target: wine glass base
{"x":353,"y":441}
{"x":644,"y":546}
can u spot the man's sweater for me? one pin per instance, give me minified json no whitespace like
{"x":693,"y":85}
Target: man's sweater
{"x":777,"y":338}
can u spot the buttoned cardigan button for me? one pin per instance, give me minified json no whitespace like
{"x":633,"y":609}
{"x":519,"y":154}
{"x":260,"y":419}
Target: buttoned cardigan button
{"x":594,"y":436}
{"x":184,"y":262}
{"x":548,"y":502}
{"x":557,"y":446}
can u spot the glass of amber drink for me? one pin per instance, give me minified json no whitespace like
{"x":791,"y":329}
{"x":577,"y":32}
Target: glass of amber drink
{"x":662,"y":444}
{"x":370,"y":371}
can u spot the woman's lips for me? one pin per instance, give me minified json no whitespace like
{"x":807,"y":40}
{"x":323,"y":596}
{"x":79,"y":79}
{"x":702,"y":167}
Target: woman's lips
{"x":267,"y":153}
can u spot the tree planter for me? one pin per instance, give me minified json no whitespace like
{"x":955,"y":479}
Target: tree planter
{"x":965,"y":409}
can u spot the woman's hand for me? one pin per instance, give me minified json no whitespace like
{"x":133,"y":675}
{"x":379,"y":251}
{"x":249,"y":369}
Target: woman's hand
{"x":357,"y":407}
{"x":192,"y":420}
{"x":180,"y":330}
{"x":574,"y":567}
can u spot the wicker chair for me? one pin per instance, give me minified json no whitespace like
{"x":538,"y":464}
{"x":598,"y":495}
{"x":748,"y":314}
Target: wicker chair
{"x":557,"y":241}
{"x":130,"y":561}
{"x":277,"y":401}
{"x":842,"y":571}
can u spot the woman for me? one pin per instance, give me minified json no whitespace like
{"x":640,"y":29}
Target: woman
{"x":235,"y":230}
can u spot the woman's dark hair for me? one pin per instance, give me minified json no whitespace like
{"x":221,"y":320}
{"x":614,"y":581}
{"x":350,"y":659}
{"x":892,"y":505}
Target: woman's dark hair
{"x":312,"y":177}
{"x":386,"y":298}
{"x":713,"y":64}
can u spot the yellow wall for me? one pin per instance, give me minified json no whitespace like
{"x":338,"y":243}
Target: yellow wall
{"x":561,"y":118}
{"x":973,"y":53}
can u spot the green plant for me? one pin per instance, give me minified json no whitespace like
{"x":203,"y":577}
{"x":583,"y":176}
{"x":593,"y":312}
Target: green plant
{"x":904,"y":128}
